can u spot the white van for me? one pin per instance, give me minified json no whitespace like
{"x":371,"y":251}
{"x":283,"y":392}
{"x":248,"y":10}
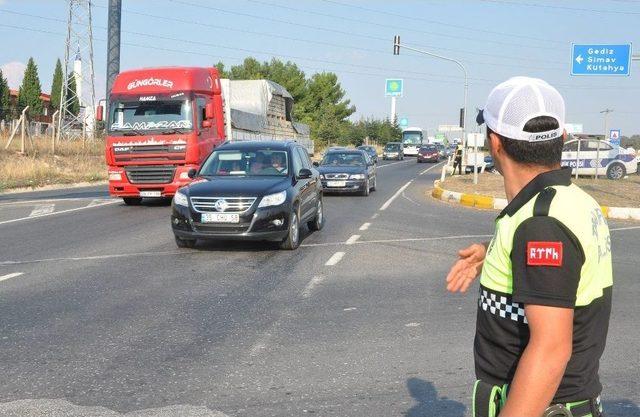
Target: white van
{"x":615,"y":161}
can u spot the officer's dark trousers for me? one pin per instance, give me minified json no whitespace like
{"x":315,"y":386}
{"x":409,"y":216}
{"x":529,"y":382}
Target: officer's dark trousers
{"x":457,"y":162}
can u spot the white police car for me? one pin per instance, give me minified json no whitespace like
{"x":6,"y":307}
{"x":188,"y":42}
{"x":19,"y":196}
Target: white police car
{"x":615,"y":161}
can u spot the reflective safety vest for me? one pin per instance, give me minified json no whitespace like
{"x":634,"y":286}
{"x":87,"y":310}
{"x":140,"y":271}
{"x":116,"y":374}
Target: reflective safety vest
{"x":581,"y":215}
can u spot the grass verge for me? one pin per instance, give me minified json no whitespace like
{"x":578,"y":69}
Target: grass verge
{"x":622,"y":193}
{"x":72,"y":163}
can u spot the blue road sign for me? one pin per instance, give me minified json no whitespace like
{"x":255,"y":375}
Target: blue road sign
{"x":393,"y":87}
{"x":614,"y":136}
{"x":600,"y":59}
{"x":404,"y":122}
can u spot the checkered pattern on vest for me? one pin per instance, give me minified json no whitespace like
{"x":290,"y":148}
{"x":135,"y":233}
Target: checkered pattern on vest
{"x":501,"y":305}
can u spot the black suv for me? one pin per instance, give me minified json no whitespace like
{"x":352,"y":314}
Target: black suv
{"x":254,"y":190}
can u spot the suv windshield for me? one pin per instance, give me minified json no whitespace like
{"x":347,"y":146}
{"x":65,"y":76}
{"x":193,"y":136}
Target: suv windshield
{"x":343,"y":159}
{"x":146,"y":113}
{"x":249,"y":163}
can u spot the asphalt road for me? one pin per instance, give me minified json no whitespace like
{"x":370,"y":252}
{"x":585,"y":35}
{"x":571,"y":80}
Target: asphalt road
{"x":101,"y":314}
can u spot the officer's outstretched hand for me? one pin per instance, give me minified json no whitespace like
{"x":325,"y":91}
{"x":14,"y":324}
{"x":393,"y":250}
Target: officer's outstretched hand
{"x":467,"y":268}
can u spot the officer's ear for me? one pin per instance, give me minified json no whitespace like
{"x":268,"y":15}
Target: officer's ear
{"x":564,"y":135}
{"x":495,"y":143}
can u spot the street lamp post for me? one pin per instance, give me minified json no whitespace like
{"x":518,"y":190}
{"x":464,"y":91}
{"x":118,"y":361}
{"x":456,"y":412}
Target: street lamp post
{"x":396,"y":51}
{"x":604,"y":137}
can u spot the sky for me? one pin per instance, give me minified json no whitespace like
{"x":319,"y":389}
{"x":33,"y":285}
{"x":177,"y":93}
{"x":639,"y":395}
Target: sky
{"x":494,"y":39}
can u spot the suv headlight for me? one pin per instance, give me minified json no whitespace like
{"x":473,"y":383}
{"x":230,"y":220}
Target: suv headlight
{"x":180,"y":199}
{"x":273,"y":199}
{"x":357,"y":177}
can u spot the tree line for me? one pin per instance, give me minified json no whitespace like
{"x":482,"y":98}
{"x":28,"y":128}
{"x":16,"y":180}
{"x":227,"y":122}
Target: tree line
{"x":320,"y":101}
{"x":30,"y":91}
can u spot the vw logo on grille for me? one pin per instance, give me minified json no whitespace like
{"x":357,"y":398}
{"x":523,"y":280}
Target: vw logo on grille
{"x":221,"y":205}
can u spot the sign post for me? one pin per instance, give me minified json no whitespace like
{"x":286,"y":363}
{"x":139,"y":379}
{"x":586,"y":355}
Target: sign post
{"x":601,"y":59}
{"x":393,"y":87}
{"x":614,"y":136}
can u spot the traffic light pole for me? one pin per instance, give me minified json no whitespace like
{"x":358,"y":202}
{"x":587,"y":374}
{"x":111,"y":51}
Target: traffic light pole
{"x":396,"y":51}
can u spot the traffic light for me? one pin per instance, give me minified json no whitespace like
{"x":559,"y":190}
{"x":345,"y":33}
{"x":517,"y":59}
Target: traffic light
{"x":396,"y":45}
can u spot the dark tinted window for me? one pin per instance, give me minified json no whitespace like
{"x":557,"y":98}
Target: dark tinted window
{"x":344,"y":159}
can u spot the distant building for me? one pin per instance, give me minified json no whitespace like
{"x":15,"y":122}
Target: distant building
{"x":47,"y":110}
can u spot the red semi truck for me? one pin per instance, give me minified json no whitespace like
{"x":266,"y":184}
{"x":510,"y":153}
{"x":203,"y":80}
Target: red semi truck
{"x":162,"y":122}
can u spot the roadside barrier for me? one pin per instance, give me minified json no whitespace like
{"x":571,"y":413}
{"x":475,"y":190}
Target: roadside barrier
{"x":491,"y":203}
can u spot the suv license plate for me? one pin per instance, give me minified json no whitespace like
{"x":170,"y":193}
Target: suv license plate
{"x":336,"y":183}
{"x":150,"y":194}
{"x":220,"y":218}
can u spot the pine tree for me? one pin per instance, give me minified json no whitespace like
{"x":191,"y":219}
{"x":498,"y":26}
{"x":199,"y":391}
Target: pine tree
{"x":30,"y":90}
{"x":73,"y":104}
{"x":5,"y":101}
{"x":56,"y":86}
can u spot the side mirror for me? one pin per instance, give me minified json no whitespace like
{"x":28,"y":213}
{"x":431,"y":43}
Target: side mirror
{"x":99,"y":113}
{"x":316,"y":163}
{"x":206,"y":124}
{"x":208,"y":110}
{"x":304,"y":173}
{"x":192,"y":173}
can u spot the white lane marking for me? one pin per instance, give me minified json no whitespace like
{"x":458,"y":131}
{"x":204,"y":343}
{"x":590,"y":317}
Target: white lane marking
{"x":375,"y":216}
{"x":412,"y":324}
{"x":42,"y":209}
{"x":98,"y":202}
{"x":306,"y":293}
{"x":431,"y":167}
{"x":353,"y":239}
{"x":409,"y":199}
{"x":625,"y":228}
{"x":349,"y":309}
{"x":48,"y":200}
{"x":258,"y":347}
{"x":57,"y":212}
{"x":9,"y":276}
{"x":365,"y":226}
{"x":393,"y":163}
{"x":411,"y":239}
{"x":101,"y":257}
{"x":335,"y":258}
{"x":393,"y":197}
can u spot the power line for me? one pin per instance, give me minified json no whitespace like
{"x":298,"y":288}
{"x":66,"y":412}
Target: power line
{"x":567,"y":8}
{"x":376,"y":51}
{"x":370,"y":74}
{"x":436,"y":22}
{"x":413,"y":30}
{"x":350,"y":34}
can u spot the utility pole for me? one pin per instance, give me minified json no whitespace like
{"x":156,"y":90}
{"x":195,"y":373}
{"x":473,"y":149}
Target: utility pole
{"x":393,"y":110}
{"x":79,"y":81}
{"x":396,"y":51}
{"x":604,"y":137}
{"x":113,"y":47}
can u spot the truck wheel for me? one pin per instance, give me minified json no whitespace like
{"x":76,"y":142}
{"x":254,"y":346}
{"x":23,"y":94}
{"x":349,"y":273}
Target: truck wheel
{"x":185,"y":243}
{"x":616,"y":171}
{"x":292,"y":241}
{"x":318,"y":221}
{"x":132,"y":201}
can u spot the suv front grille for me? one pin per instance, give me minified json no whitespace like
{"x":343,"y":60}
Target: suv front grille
{"x":222,"y":204}
{"x":150,"y":174}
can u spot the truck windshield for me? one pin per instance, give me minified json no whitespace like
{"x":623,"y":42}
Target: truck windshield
{"x":258,"y":162}
{"x":138,"y":115}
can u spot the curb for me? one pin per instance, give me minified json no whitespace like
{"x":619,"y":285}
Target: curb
{"x":491,"y":203}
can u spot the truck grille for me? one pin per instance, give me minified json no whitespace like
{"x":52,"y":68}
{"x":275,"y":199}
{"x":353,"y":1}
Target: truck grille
{"x":336,"y":176}
{"x":150,"y":174}
{"x":222,"y":204}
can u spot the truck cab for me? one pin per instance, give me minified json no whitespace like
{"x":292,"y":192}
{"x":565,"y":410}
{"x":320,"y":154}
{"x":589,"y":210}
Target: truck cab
{"x":161,"y":123}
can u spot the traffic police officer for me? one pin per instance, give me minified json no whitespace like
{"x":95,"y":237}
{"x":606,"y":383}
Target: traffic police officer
{"x":545,"y":277}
